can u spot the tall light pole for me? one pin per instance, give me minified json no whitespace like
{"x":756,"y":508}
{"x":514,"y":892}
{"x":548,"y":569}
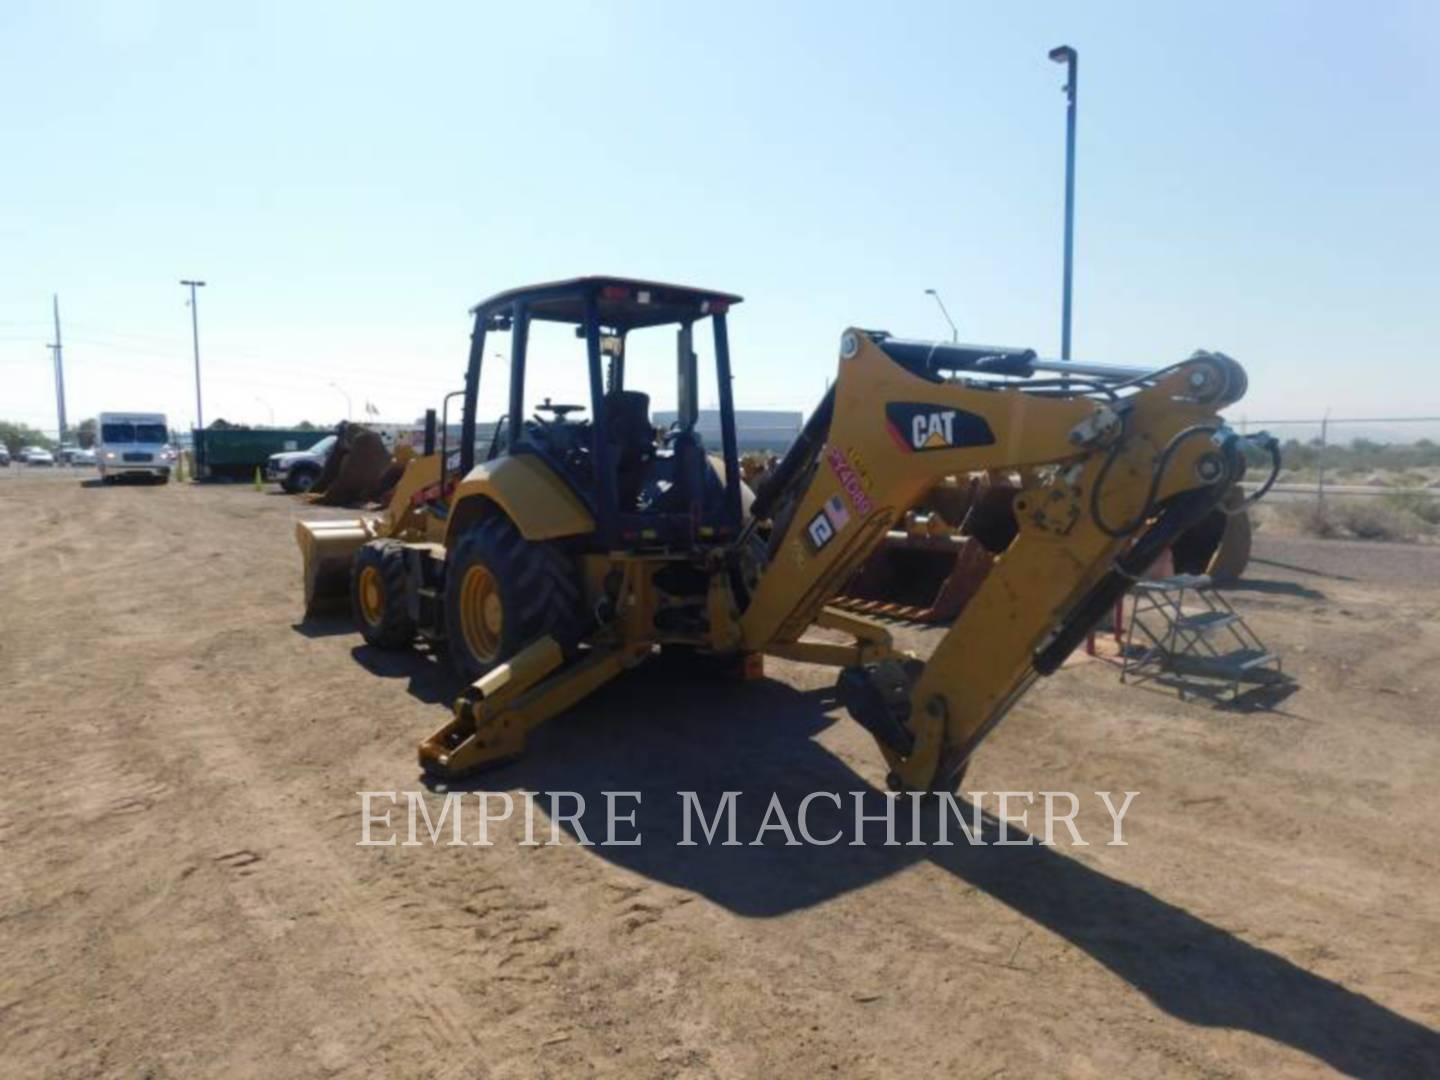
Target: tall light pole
{"x":349,"y":409}
{"x":1064,"y":54}
{"x":195,"y":334}
{"x":268,"y":406}
{"x":954,"y":334}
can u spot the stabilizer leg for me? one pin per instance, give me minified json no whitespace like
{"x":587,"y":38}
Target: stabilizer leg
{"x":501,"y":708}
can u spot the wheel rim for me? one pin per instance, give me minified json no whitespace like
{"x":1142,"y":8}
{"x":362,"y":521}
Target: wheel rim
{"x":304,"y":482}
{"x":372,"y":596}
{"x":482,"y":617}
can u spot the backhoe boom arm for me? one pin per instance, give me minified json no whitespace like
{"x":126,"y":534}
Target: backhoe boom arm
{"x":1114,"y":464}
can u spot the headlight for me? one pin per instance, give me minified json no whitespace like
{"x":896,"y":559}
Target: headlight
{"x":109,"y":455}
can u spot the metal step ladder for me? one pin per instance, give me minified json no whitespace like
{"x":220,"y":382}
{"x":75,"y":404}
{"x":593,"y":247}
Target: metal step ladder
{"x":1184,"y":626}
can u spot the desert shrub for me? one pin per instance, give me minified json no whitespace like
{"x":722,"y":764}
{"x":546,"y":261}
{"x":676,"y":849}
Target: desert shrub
{"x":1309,"y":518}
{"x":1424,"y":507}
{"x":1361,"y":456}
{"x":1363,"y":519}
{"x":1376,"y":519}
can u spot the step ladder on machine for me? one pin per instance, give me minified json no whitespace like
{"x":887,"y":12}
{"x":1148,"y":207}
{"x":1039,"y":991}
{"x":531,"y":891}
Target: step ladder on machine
{"x":1183,"y":625}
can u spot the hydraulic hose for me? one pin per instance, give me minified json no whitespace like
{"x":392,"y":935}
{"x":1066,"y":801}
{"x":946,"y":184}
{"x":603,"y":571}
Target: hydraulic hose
{"x":1148,"y":510}
{"x":1272,"y":445}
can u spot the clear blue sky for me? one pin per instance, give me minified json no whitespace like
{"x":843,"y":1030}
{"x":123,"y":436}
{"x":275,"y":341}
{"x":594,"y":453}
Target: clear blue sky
{"x":1257,"y":178}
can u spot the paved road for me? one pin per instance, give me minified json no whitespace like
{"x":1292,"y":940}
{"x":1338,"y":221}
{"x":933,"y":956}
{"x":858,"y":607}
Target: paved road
{"x":1364,"y":561}
{"x":1307,"y":492}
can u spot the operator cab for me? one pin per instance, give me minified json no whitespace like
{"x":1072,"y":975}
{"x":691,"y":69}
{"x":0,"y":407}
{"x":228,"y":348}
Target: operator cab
{"x":645,"y":487}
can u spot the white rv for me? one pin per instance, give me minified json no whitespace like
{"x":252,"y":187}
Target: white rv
{"x":131,"y":444}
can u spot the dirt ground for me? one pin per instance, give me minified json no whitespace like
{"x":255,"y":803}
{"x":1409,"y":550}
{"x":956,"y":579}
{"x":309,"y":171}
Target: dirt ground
{"x":182,"y":894}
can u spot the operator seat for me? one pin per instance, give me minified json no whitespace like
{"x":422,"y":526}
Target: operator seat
{"x":691,"y":467}
{"x":632,"y":438}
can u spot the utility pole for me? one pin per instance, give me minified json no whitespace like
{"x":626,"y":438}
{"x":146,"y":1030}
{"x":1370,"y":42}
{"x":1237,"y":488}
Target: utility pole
{"x":59,"y":369}
{"x":195,"y":333}
{"x":349,"y":406}
{"x":1064,"y":54}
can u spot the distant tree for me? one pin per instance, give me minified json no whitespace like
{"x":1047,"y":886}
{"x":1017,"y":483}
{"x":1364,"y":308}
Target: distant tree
{"x":306,"y":425}
{"x":85,"y":433}
{"x":220,"y":424}
{"x":15,"y":435}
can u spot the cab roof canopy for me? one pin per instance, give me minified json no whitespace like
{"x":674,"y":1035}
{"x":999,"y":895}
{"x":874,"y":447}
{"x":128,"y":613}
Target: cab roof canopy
{"x":622,"y":303}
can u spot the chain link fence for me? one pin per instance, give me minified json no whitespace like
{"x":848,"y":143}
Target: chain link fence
{"x":1355,"y":456}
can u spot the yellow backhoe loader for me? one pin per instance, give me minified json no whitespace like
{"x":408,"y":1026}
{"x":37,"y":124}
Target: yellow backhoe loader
{"x":571,"y":547}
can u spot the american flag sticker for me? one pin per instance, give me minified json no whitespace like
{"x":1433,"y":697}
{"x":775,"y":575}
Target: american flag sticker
{"x":836,"y":512}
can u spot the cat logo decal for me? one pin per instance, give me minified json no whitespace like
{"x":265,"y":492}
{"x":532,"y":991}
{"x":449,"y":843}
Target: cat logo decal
{"x":917,"y":427}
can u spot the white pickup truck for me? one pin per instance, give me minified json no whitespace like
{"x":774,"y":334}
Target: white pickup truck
{"x":297,"y":470}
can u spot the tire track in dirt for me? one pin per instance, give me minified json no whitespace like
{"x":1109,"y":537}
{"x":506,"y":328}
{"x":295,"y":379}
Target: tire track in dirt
{"x":297,"y":868}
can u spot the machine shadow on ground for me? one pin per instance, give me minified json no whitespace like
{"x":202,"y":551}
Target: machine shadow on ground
{"x":1263,"y":698}
{"x":661,"y":732}
{"x":122,"y":481}
{"x":1276,"y":588}
{"x":1292,"y":567}
{"x":323,"y":626}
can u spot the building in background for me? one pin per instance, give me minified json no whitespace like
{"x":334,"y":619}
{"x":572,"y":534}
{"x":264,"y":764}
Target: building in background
{"x":755,"y":429}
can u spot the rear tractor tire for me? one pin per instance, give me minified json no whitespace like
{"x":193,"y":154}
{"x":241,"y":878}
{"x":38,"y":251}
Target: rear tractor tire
{"x":503,"y":592}
{"x":377,"y":595}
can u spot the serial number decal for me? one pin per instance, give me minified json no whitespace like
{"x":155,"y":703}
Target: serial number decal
{"x":849,"y":480}
{"x":857,"y":460}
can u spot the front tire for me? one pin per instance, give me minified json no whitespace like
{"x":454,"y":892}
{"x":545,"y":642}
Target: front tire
{"x":377,"y":595}
{"x":299,"y":481}
{"x":502,"y":592}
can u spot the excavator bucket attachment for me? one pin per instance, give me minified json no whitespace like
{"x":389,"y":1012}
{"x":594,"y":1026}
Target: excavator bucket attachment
{"x":328,"y":548}
{"x":919,"y":576}
{"x":359,"y":470}
{"x":927,"y":570}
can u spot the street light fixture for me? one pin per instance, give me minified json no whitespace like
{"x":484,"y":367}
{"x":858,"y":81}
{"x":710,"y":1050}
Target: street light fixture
{"x":1064,"y":54}
{"x":349,"y":409}
{"x":195,"y":332}
{"x":954,"y":334}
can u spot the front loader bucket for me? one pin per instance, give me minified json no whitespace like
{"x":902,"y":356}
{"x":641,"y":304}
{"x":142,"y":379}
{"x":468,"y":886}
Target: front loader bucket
{"x":923,"y":578}
{"x":328,"y":548}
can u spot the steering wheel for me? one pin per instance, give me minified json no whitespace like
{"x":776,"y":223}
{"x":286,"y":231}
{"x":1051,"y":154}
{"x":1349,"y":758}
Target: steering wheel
{"x":560,"y":411}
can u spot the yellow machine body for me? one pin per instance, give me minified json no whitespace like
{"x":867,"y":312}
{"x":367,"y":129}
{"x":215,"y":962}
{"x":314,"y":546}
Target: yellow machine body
{"x":892,"y":436}
{"x":526,"y":491}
